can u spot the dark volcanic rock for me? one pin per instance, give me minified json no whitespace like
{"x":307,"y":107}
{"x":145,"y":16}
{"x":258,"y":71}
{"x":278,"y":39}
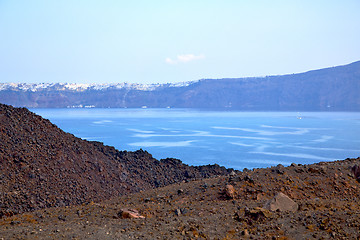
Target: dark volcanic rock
{"x":328,"y":208}
{"x":42,"y":166}
{"x":356,"y":171}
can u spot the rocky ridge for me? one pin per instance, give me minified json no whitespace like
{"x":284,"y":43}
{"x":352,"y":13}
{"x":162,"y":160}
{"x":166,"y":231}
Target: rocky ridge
{"x":42,"y":166}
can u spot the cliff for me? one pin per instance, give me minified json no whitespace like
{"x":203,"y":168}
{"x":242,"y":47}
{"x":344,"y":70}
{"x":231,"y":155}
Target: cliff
{"x":329,"y":89}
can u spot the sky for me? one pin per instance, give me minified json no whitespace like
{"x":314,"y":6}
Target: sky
{"x":170,"y":41}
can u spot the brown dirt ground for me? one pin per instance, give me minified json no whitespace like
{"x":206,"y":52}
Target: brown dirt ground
{"x":327,"y":195}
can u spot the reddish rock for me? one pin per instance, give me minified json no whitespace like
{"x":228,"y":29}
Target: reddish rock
{"x":230,"y":191}
{"x":129,"y":213}
{"x":245,"y":233}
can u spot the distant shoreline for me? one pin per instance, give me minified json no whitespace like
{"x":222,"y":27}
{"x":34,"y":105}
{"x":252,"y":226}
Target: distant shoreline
{"x":328,"y":89}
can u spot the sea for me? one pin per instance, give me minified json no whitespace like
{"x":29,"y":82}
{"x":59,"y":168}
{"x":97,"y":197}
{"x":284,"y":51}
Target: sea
{"x":232,"y":139}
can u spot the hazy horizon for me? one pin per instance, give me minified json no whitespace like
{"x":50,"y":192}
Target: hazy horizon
{"x":153,"y":83}
{"x":172,"y":41}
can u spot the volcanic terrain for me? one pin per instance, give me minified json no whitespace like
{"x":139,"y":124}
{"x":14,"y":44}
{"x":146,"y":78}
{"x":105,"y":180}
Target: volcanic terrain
{"x":42,"y":166}
{"x":56,"y":186}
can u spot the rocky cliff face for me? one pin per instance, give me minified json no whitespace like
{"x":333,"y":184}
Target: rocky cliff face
{"x":327,"y":89}
{"x":42,"y":166}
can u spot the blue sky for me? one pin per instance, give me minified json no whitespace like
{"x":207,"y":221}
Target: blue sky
{"x":85,"y":41}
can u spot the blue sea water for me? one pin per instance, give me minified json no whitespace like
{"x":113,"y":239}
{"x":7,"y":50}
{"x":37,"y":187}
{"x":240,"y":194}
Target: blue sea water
{"x":232,"y":139}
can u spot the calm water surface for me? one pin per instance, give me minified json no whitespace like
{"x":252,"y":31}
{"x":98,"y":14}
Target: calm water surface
{"x":232,"y":139}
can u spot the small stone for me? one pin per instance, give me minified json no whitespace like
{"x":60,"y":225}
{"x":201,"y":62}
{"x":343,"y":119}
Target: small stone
{"x":356,"y":171}
{"x":180,"y":191}
{"x":129,"y":213}
{"x":257,"y":213}
{"x":248,"y":179}
{"x":178,"y":212}
{"x":230,"y":191}
{"x":184,"y":211}
{"x":314,"y":170}
{"x":245,"y":233}
{"x":279,"y":169}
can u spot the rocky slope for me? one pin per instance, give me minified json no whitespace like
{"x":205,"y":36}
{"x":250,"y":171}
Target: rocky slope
{"x":42,"y":166}
{"x":334,"y":89}
{"x":318,"y":201}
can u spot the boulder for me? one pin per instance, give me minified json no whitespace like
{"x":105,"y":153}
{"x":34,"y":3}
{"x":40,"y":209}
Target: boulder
{"x":281,"y":202}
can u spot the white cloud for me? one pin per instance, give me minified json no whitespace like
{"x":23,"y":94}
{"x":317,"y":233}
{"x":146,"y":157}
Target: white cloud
{"x":170,"y":61}
{"x":184,"y":58}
